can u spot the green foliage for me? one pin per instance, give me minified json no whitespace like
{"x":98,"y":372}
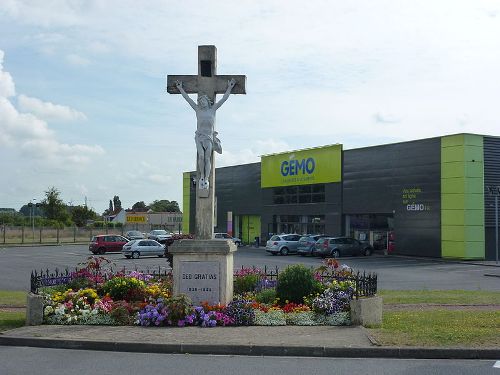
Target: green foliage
{"x":123,"y":288}
{"x":117,"y":204}
{"x":294,"y":283}
{"x":245,"y":284}
{"x":139,"y":207}
{"x":54,"y":207}
{"x":79,"y":283}
{"x":179,"y":307}
{"x":80,"y":215}
{"x":267,"y":296}
{"x":164,"y":206}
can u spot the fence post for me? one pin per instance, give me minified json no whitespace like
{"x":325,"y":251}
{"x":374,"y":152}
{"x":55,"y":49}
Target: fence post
{"x":22,"y":234}
{"x":4,"y":230}
{"x":90,"y":238}
{"x":57,"y":234}
{"x":74,"y":233}
{"x":41,"y":234}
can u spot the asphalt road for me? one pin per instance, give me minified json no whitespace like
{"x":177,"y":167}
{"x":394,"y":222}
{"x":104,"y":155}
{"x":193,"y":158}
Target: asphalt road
{"x":396,"y":273}
{"x":13,"y":361}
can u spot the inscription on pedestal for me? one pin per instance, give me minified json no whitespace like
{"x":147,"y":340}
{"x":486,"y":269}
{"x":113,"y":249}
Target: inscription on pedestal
{"x":200,"y":281}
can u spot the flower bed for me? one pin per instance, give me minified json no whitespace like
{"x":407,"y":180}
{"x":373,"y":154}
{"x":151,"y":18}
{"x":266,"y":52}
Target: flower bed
{"x":98,"y":296}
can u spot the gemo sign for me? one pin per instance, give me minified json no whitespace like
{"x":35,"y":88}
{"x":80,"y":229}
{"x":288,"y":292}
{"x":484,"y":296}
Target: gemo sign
{"x":302,"y":167}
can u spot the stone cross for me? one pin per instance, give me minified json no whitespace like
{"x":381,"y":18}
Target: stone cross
{"x":208,"y":83}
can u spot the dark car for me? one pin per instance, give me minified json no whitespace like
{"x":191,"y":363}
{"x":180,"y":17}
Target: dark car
{"x":339,"y":246}
{"x":107,"y":243}
{"x":307,"y":243}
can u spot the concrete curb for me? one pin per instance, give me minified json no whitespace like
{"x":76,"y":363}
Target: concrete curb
{"x":257,"y":350}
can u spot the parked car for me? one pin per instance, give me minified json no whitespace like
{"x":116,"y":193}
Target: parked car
{"x":137,"y":248}
{"x":339,"y":246}
{"x":159,"y":235}
{"x":283,"y":244}
{"x":134,"y":235}
{"x":307,"y":243}
{"x":225,"y":236}
{"x":107,"y":243}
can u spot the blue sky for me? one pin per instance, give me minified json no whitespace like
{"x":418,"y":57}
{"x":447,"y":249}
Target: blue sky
{"x":83,"y":105}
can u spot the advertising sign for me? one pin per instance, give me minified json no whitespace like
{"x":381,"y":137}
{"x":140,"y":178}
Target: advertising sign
{"x":136,"y":219}
{"x":302,"y":167}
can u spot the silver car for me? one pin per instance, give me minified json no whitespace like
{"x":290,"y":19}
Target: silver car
{"x":136,"y":248}
{"x":283,"y":244}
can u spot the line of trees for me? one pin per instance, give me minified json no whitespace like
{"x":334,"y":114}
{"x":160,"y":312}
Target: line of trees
{"x":52,"y":211}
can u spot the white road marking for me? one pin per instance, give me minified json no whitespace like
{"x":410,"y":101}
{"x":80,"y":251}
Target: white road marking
{"x":497,"y":364}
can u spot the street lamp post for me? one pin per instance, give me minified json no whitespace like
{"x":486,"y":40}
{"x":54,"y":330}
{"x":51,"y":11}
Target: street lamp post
{"x":33,"y":219}
{"x":495,"y":191}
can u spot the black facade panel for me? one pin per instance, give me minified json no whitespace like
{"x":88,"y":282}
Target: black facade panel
{"x":331,"y":209}
{"x":402,"y":179}
{"x":491,"y":178}
{"x":237,"y":190}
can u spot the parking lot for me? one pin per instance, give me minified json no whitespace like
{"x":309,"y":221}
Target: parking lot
{"x":393,"y":272}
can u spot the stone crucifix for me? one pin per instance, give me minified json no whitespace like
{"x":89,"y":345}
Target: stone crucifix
{"x":206,"y":84}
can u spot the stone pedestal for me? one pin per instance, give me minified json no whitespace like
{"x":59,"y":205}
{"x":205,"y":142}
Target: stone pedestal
{"x":203,"y":270}
{"x":367,"y":312}
{"x":34,"y":309}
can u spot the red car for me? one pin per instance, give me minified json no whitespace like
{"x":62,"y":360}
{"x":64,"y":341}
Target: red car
{"x":107,"y":243}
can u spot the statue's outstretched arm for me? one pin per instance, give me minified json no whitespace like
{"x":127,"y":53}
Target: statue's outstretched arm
{"x":230,"y":85}
{"x":191,"y":102}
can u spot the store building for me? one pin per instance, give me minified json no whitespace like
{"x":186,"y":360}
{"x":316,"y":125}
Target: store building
{"x":426,"y":197}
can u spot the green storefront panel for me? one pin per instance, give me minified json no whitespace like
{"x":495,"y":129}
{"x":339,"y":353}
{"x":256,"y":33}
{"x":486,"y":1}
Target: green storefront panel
{"x":250,"y":228}
{"x":462,"y":197}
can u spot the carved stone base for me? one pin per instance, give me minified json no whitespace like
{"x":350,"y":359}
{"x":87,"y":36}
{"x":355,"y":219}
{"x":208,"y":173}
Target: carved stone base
{"x":203,"y":270}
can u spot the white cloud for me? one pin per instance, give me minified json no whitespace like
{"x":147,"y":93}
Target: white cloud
{"x":47,"y":110}
{"x":7,"y":87}
{"x":77,"y":60}
{"x":32,"y":136}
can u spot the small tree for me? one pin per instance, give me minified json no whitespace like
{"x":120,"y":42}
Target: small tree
{"x":54,"y":208}
{"x":117,"y":204}
{"x":164,"y":205}
{"x":140,"y":207}
{"x":81,"y":214}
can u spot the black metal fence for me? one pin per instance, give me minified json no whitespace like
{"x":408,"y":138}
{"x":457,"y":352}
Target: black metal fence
{"x":46,"y":278}
{"x":365,"y":284}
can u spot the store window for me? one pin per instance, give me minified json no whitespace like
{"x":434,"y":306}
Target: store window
{"x":300,"y":224}
{"x":299,"y":194}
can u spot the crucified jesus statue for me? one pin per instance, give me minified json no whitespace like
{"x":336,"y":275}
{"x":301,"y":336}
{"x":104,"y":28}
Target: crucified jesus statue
{"x":205,"y":135}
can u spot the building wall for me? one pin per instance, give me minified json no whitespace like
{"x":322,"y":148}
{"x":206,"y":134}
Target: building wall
{"x":237,"y":190}
{"x":402,"y":179}
{"x":462,"y":196}
{"x":491,"y":178}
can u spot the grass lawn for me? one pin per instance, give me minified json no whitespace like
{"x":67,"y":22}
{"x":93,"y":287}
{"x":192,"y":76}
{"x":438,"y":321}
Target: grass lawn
{"x":15,"y":318}
{"x":446,"y":297}
{"x":12,"y":298}
{"x":11,"y":320}
{"x":438,"y":326}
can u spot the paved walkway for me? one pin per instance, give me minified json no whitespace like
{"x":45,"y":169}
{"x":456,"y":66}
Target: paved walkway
{"x":349,"y":342}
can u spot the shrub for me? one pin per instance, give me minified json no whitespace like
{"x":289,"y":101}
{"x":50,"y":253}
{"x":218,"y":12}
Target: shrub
{"x":179,"y":307}
{"x":267,"y":296}
{"x":120,"y":288}
{"x":246,"y":283}
{"x":294,"y":283}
